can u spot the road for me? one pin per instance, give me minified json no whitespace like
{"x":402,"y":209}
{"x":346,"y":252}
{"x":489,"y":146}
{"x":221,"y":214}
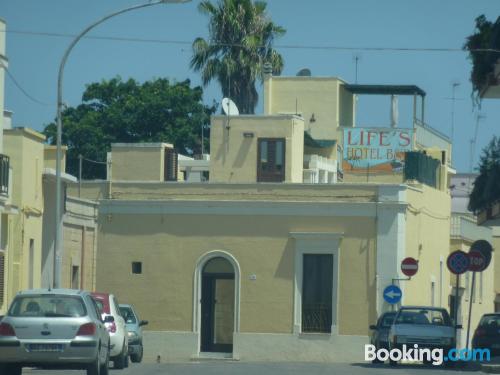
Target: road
{"x":242,"y":368}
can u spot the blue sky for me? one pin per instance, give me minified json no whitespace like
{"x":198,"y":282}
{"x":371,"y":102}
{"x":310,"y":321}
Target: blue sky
{"x":34,"y":59}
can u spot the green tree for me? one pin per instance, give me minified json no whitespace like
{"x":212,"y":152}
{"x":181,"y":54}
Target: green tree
{"x":480,"y":45}
{"x":127,"y":111}
{"x":487,"y":185}
{"x":241,"y":37}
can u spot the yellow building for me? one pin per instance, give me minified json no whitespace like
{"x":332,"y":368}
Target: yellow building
{"x":23,"y":258}
{"x":274,"y":258}
{"x":6,"y":207}
{"x":298,"y":270}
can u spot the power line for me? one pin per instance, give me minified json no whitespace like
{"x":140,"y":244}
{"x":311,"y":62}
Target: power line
{"x":18,"y":85}
{"x":278,"y":46}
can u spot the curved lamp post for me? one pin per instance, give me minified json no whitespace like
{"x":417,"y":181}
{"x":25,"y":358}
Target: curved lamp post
{"x":58,"y":228}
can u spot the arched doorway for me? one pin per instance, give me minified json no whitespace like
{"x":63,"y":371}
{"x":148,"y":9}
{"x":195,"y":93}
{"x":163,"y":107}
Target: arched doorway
{"x":217,"y":305}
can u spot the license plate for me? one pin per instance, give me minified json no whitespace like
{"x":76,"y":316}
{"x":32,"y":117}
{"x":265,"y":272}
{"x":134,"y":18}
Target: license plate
{"x":45,"y":347}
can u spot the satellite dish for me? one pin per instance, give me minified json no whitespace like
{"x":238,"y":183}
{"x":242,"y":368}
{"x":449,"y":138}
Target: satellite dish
{"x":229,"y":107}
{"x":306,"y":72}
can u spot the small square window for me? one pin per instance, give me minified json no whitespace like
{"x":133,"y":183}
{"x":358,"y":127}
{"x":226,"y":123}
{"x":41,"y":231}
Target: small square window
{"x":137,"y":267}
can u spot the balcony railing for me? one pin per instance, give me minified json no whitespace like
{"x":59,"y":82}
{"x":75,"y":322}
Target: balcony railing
{"x":4,"y":174}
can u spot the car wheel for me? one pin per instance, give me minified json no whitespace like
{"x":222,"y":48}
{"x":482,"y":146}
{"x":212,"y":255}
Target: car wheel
{"x":137,"y":358}
{"x":105,"y":366}
{"x":126,"y":359}
{"x":95,"y":367}
{"x":119,"y":361}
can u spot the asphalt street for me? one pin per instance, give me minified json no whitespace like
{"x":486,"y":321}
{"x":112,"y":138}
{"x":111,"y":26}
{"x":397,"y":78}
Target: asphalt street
{"x":244,"y":368}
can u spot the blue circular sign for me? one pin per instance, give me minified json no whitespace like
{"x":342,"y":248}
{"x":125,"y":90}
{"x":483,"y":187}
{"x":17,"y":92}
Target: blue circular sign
{"x":458,"y":262}
{"x":392,"y":294}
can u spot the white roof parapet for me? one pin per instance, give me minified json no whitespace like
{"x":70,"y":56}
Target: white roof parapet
{"x":143,"y":145}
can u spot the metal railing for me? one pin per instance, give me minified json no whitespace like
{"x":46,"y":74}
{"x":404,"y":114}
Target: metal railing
{"x":316,"y":318}
{"x":4,"y":174}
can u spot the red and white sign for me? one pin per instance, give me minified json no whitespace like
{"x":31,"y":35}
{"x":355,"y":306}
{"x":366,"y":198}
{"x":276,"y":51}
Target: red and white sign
{"x":409,"y":266}
{"x":477,"y":261}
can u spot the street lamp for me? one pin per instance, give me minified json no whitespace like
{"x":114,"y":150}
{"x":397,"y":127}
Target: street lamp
{"x":58,"y":227}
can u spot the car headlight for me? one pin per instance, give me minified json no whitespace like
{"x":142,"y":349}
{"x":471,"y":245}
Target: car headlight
{"x":447,"y":341}
{"x":132,"y":335}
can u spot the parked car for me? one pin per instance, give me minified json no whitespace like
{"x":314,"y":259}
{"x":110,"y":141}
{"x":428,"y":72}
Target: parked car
{"x":487,"y":334}
{"x":380,"y":334}
{"x":110,"y":310}
{"x":428,"y":327}
{"x":58,"y":328}
{"x":134,"y":328}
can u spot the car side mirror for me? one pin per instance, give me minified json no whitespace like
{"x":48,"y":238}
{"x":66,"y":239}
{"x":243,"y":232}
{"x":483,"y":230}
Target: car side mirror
{"x":109,"y":319}
{"x":374,"y":327}
{"x":458,"y":326}
{"x":143,"y":323}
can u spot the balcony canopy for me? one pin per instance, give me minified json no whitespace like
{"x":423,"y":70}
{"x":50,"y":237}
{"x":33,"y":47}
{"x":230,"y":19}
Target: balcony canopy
{"x":385,"y":89}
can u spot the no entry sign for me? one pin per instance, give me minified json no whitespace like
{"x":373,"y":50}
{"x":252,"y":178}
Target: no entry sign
{"x":458,"y":262}
{"x":477,"y":261}
{"x":409,"y":266}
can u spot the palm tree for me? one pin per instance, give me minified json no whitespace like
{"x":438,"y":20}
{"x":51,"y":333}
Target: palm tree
{"x":240,"y":43}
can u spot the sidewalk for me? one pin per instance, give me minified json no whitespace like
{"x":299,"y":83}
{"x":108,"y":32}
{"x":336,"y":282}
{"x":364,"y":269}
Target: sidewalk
{"x":492,"y":367}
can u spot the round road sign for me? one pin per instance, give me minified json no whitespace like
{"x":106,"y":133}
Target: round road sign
{"x":477,"y":261}
{"x":409,"y":266}
{"x":485,"y":248}
{"x":458,"y":262}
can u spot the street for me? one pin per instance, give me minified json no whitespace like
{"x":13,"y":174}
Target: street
{"x":245,"y":368}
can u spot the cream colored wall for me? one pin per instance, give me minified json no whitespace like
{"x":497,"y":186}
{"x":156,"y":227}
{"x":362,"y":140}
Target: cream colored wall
{"x":496,"y":258}
{"x":135,"y":163}
{"x":428,"y":241}
{"x":233,"y":157}
{"x":78,"y":242}
{"x":169,"y":247}
{"x":26,"y":152}
{"x":308,"y":95}
{"x":50,"y":157}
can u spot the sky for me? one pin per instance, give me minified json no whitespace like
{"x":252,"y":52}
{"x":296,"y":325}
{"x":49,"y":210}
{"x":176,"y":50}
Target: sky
{"x":357,"y":24}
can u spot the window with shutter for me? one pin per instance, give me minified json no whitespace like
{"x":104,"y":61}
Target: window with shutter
{"x":271,"y":160}
{"x":170,"y":165}
{"x":2,"y":274}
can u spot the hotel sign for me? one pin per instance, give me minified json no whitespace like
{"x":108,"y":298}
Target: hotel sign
{"x":380,"y":149}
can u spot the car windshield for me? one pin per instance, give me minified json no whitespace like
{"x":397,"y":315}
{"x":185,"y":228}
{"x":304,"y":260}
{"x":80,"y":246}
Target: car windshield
{"x":490,"y":322}
{"x":47,"y":306}
{"x":387,"y":320}
{"x":128,"y":315}
{"x":423,"y":316}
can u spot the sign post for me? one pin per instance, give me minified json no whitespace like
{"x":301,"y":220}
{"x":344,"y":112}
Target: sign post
{"x":477,"y":263}
{"x":458,"y":263}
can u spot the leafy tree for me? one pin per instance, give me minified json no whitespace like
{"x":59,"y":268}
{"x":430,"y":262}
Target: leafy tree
{"x":485,"y":39}
{"x":240,"y":43}
{"x":127,"y":111}
{"x":487,"y":185}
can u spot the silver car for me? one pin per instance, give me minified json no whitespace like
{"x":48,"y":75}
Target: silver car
{"x":55,"y":329}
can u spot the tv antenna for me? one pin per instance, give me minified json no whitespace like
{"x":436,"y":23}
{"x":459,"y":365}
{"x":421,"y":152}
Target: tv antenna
{"x":473,"y":141}
{"x":356,"y":58}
